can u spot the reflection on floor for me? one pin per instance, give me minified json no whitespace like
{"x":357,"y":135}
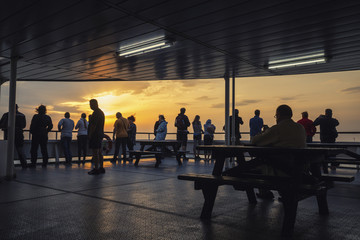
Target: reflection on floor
{"x":128,"y":202}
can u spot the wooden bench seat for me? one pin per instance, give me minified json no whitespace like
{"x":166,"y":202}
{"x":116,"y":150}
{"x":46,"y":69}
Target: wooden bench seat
{"x":291,"y":192}
{"x":138,"y":154}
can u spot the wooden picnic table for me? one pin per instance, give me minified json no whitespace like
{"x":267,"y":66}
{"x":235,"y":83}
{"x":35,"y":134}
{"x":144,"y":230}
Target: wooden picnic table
{"x":292,"y":188}
{"x":163,"y":146}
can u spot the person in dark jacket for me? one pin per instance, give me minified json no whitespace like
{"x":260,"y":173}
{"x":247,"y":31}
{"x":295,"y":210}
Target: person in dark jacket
{"x":40,"y":125}
{"x":328,"y":132}
{"x":182,"y":123}
{"x":20,"y":124}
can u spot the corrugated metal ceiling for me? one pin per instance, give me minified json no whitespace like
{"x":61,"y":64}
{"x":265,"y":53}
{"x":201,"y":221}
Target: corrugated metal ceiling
{"x":77,"y":40}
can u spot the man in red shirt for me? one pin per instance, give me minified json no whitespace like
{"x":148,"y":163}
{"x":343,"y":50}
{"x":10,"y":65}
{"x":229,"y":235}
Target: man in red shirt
{"x":308,"y":125}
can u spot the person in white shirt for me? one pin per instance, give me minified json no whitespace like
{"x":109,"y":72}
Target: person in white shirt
{"x":65,"y":126}
{"x":82,"y":136}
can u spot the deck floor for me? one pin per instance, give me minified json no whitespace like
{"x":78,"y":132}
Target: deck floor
{"x":128,"y":202}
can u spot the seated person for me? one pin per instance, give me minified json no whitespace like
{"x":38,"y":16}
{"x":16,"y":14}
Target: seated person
{"x":286,"y":133}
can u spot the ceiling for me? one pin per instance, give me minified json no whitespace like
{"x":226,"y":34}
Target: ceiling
{"x":72,"y":40}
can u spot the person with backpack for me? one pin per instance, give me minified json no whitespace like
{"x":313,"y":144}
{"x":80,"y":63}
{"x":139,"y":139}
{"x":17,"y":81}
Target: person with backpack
{"x":208,"y":137}
{"x":182,"y":123}
{"x":120,"y":131}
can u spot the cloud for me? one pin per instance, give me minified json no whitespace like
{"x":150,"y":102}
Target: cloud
{"x":247,"y":102}
{"x":203,"y":98}
{"x":292,"y":98}
{"x":351,"y":90}
{"x":218,"y":105}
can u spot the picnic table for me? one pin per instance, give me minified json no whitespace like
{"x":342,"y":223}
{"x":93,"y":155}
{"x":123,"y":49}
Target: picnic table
{"x":166,"y":147}
{"x":352,"y":150}
{"x":292,"y":188}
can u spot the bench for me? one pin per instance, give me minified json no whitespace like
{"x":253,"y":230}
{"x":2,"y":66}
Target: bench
{"x":138,"y":154}
{"x":291,"y":192}
{"x":181,"y":154}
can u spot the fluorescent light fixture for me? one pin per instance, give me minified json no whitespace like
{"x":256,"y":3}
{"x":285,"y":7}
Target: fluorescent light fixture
{"x":300,"y":60}
{"x":146,"y":46}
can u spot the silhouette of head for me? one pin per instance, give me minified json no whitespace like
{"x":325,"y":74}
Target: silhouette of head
{"x":94,"y":104}
{"x":131,"y":118}
{"x":236,"y":112}
{"x":161,"y":117}
{"x":83,"y":115}
{"x":257,"y":112}
{"x":16,"y":107}
{"x":305,"y":114}
{"x":182,"y":110}
{"x":328,"y":112}
{"x":67,"y":115}
{"x":197,"y":118}
{"x":118,"y":115}
{"x":41,"y":109}
{"x":283,"y":112}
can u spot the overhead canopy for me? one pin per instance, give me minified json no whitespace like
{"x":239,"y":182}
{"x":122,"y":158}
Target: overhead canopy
{"x":79,"y":40}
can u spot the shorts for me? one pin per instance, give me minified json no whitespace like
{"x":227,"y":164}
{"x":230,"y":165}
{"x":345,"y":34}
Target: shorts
{"x":182,"y":137}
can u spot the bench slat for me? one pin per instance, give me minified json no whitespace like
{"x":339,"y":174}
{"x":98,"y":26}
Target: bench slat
{"x":337,"y":178}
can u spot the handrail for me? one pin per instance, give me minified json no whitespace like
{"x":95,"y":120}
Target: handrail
{"x":150,"y":135}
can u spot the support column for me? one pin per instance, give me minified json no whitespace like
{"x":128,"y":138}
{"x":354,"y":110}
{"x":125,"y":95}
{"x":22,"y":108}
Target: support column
{"x":233,"y":112}
{"x":11,"y":120}
{"x":227,"y":106}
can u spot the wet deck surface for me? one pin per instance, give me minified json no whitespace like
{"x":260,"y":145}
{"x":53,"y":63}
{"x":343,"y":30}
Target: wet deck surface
{"x":146,"y":203}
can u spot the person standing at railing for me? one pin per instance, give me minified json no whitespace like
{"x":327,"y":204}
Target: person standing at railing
{"x":65,"y":126}
{"x":40,"y":125}
{"x":121,"y":126}
{"x":182,"y":123}
{"x":308,"y":125}
{"x":197,"y":127}
{"x":328,"y":132}
{"x":82,"y":136}
{"x":161,"y":131}
{"x":256,"y":124}
{"x":131,"y":141}
{"x":208,"y":137}
{"x":20,"y":123}
{"x":96,"y":135}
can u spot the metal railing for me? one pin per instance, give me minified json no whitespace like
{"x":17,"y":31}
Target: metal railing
{"x":55,"y":135}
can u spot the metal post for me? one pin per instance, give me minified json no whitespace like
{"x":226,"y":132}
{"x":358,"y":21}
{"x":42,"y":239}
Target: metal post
{"x":11,"y":120}
{"x":227,"y":104}
{"x":233,"y":111}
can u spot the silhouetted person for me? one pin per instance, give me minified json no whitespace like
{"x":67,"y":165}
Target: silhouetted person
{"x":161,"y":131}
{"x":82,"y":137}
{"x":286,"y":133}
{"x":96,"y":134}
{"x":131,"y":141}
{"x":197,"y":127}
{"x":65,"y":126}
{"x":156,"y":125}
{"x":328,"y":132}
{"x":308,"y":125}
{"x":209,"y":129}
{"x":256,"y":124}
{"x":40,"y":125}
{"x":182,"y":123}
{"x":238,"y":122}
{"x":121,"y":127}
{"x":20,"y":124}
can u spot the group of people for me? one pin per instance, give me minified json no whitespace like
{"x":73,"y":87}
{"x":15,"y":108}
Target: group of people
{"x":91,"y":133}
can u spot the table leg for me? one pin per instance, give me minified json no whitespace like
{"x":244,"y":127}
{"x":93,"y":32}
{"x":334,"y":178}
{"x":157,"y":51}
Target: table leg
{"x":209,"y":192}
{"x":219,"y":163}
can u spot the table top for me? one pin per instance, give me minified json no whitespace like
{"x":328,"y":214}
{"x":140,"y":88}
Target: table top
{"x":336,"y":144}
{"x":156,"y":141}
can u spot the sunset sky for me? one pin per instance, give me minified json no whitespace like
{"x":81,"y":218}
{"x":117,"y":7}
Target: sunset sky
{"x":147,"y":99}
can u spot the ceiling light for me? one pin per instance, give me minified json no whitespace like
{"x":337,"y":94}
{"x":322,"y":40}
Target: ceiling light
{"x":146,"y":46}
{"x":299,"y":60}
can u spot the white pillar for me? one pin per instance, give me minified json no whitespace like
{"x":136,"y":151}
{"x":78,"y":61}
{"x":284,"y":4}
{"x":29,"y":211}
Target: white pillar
{"x":11,"y":120}
{"x":227,"y":105}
